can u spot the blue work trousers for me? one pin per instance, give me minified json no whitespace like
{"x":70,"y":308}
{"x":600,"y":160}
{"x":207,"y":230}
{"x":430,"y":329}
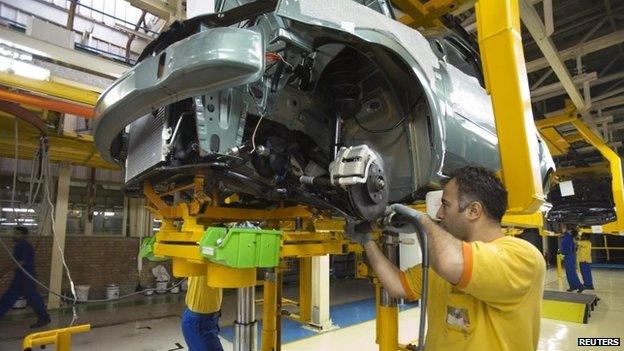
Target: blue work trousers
{"x":569,"y":262}
{"x":586,"y":273}
{"x":22,"y":285}
{"x":201,"y":331}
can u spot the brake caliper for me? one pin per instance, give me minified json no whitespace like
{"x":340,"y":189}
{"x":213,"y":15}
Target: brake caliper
{"x":359,"y":170}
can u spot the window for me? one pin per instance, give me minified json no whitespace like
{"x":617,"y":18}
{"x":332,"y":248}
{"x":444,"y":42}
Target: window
{"x":462,"y":58}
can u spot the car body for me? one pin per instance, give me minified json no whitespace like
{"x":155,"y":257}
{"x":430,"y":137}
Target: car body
{"x":267,"y":99}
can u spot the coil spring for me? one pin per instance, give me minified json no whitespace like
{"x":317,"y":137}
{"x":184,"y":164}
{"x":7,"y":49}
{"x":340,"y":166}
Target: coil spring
{"x":342,"y":84}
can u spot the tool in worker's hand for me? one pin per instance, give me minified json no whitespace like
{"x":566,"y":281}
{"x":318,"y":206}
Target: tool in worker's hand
{"x":359,"y":231}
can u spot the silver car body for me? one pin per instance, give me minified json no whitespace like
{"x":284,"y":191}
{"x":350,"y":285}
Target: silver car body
{"x":452,"y":127}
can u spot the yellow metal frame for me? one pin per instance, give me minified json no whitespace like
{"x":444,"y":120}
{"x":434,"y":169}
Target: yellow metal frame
{"x":269,"y":314}
{"x":59,"y":90}
{"x":427,"y":14}
{"x":323,"y":235}
{"x":613,"y":162}
{"x":59,"y":337}
{"x":305,"y":289}
{"x":78,"y":149}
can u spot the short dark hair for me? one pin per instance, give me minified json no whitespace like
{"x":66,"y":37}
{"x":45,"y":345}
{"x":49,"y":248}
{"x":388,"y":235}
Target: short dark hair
{"x":21,"y":230}
{"x":477,"y":183}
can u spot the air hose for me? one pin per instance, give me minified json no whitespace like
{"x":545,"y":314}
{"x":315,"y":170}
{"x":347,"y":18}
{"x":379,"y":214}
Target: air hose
{"x":404,"y":215}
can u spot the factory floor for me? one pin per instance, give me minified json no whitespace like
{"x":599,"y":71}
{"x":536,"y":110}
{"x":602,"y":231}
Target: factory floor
{"x":116,"y":326}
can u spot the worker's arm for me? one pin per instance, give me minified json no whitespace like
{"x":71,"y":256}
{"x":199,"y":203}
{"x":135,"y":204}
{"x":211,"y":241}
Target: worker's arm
{"x":386,"y":271}
{"x":445,"y":251}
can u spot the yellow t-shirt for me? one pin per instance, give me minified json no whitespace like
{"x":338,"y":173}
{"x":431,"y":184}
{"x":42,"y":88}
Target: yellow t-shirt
{"x":583,"y":253}
{"x":495,"y":306}
{"x":200,"y":298}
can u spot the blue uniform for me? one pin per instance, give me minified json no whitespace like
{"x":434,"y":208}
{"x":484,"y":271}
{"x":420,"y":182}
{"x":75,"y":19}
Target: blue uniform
{"x":22,"y":285}
{"x":569,"y":260}
{"x":201,"y":331}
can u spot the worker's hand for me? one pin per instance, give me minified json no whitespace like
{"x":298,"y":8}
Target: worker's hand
{"x":359,"y":232}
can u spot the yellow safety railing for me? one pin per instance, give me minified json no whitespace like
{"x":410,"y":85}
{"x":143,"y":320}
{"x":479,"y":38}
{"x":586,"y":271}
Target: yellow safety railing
{"x":59,"y":337}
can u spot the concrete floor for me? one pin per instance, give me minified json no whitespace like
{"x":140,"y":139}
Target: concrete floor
{"x":118,"y":328}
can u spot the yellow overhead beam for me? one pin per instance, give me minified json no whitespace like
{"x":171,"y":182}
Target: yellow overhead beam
{"x":416,"y":14}
{"x":556,"y":121}
{"x":573,"y":138}
{"x":427,"y":14}
{"x":77,"y":149}
{"x":557,"y":144}
{"x":58,"y":90}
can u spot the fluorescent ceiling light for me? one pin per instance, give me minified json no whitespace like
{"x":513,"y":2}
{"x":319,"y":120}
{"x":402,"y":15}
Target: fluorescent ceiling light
{"x":23,"y":48}
{"x":5,"y":51}
{"x":10,"y":223}
{"x":20,"y":210}
{"x":109,"y":214}
{"x":23,"y":69}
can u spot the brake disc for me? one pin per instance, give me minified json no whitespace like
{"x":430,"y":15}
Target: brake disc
{"x":369,"y":199}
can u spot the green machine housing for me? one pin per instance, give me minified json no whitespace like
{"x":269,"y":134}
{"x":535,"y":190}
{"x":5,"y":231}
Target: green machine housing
{"x":241,"y":247}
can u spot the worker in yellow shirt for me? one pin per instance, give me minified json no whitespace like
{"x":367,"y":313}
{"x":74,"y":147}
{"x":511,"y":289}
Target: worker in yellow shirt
{"x":584,"y":258}
{"x":485,"y":289}
{"x":200,"y":320}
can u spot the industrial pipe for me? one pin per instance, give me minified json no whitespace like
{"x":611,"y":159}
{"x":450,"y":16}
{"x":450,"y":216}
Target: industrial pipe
{"x":47,"y":103}
{"x":245,"y":323}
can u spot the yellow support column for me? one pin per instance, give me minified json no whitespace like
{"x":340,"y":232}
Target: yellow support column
{"x":504,"y":69}
{"x":559,"y":266}
{"x":388,"y":335}
{"x":269,"y":312}
{"x":305,"y":289}
{"x":377,"y":313}
{"x":387,"y":321}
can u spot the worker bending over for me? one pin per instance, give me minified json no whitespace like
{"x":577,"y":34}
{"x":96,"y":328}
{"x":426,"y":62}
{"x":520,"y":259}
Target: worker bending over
{"x":584,"y":258}
{"x":200,"y":320}
{"x":485,"y":289}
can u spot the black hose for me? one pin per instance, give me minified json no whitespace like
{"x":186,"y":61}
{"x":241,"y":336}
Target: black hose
{"x":422,"y":238}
